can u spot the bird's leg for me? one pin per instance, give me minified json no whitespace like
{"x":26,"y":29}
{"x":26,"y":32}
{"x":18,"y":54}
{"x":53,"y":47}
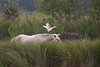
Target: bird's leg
{"x":48,"y":33}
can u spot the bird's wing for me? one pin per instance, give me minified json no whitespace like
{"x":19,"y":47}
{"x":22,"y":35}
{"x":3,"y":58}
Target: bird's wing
{"x":45,"y":26}
{"x":51,"y":28}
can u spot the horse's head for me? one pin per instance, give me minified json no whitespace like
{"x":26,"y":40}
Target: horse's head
{"x":56,"y":38}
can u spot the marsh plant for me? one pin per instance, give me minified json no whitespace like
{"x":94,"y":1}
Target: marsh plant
{"x":68,"y":54}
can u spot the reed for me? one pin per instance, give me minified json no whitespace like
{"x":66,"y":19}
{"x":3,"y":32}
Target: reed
{"x":67,"y":54}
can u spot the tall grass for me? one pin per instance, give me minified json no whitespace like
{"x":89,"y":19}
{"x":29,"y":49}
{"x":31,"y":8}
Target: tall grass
{"x":4,"y":26}
{"x":67,"y":54}
{"x":33,"y":24}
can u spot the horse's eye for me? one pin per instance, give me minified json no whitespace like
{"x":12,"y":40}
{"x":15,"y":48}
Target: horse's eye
{"x":55,"y":36}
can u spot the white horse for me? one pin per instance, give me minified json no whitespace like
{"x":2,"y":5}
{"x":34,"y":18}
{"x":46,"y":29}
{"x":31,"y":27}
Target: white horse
{"x":35,"y":38}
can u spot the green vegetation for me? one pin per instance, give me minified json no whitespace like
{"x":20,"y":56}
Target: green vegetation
{"x":74,"y":16}
{"x":67,"y":15}
{"x":32,"y":25}
{"x":4,"y":26}
{"x":27,"y":5}
{"x":10,"y":10}
{"x":67,"y":54}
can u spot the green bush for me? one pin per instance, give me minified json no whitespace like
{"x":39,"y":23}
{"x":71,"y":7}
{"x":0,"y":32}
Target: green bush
{"x":28,"y":24}
{"x":33,"y":26}
{"x":26,"y":27}
{"x":4,"y":25}
{"x":85,"y":27}
{"x":10,"y":10}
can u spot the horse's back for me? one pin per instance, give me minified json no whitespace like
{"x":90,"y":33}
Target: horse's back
{"x":68,"y":36}
{"x":37,"y":38}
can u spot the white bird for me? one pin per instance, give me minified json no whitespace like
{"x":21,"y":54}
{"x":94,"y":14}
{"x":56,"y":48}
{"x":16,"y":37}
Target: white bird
{"x":48,"y":27}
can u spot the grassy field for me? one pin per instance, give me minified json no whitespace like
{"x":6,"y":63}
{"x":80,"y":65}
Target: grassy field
{"x":67,"y":54}
{"x":68,"y":17}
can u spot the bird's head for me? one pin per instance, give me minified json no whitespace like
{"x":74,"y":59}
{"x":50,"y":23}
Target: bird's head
{"x":47,"y":24}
